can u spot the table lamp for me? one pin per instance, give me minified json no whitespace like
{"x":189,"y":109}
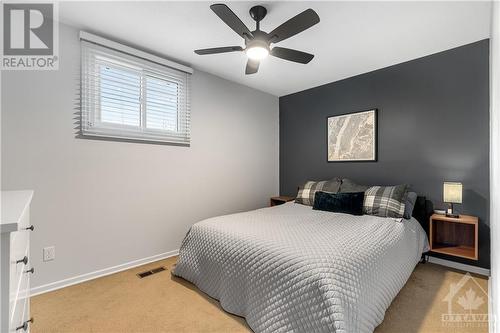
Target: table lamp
{"x":452,"y":193}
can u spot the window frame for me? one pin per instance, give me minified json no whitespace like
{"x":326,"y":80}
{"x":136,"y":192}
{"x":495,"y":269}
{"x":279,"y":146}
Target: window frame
{"x":94,"y":56}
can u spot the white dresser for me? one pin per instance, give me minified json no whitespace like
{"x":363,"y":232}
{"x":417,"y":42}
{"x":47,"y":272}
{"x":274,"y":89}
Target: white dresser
{"x":15,"y":263}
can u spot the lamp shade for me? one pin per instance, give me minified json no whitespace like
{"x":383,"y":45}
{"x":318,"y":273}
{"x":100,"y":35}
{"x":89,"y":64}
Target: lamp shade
{"x":452,"y":192}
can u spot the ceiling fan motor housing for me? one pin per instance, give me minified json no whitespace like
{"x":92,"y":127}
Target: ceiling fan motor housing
{"x":258,"y":36}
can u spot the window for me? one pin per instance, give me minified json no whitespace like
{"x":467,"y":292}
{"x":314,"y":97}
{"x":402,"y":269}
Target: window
{"x":128,"y":97}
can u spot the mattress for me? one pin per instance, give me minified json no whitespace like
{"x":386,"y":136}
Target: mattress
{"x":290,"y":268}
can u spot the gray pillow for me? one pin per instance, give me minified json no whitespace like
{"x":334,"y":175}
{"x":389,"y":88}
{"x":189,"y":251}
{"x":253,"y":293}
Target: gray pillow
{"x":309,"y":189}
{"x":411,"y":198}
{"x":385,"y":201}
{"x":348,"y":186}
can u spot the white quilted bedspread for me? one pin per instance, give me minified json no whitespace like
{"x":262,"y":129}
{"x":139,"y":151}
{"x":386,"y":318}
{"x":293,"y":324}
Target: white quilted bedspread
{"x":293,"y":269}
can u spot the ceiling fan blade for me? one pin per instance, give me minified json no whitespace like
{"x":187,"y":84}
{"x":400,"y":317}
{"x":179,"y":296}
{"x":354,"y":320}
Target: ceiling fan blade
{"x":230,"y":18}
{"x":293,"y":26}
{"x":292,"y":55}
{"x":214,"y":50}
{"x":252,"y":66}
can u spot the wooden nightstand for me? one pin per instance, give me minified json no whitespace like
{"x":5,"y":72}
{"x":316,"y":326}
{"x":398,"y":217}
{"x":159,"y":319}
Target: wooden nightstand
{"x":280,"y":200}
{"x":454,"y":236}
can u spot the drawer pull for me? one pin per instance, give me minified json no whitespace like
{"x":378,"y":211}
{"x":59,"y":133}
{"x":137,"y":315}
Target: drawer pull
{"x":24,"y":326}
{"x":24,"y":260}
{"x":31,"y":227}
{"x":31,"y":270}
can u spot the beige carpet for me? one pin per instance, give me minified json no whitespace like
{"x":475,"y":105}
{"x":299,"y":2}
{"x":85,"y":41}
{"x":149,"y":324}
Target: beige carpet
{"x":161,"y":303}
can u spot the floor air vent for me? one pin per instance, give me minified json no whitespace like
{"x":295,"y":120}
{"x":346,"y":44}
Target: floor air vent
{"x":151,"y":272}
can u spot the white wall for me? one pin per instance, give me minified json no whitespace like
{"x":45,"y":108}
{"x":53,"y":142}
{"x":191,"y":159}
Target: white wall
{"x":495,"y":167}
{"x":104,"y":203}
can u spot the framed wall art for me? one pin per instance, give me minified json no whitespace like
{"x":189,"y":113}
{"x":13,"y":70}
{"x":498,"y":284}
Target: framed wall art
{"x":352,"y":137}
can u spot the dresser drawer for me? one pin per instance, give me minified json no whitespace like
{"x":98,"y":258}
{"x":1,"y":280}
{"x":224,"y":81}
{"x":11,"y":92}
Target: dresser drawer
{"x":24,"y":220}
{"x":20,"y":316}
{"x":19,"y":248}
{"x":22,"y":290}
{"x":15,"y":261}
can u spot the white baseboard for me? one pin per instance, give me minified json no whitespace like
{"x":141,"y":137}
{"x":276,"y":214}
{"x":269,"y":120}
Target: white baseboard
{"x":462,"y":267}
{"x":131,"y":264}
{"x":100,"y":273}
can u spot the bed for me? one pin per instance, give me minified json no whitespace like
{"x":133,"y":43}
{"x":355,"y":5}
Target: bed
{"x":290,"y":268}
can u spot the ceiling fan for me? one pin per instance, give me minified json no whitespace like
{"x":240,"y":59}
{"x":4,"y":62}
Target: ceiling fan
{"x":258,"y":42}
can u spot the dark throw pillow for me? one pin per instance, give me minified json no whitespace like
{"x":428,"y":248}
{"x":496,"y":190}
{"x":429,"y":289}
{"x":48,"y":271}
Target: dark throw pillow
{"x":347,"y":203}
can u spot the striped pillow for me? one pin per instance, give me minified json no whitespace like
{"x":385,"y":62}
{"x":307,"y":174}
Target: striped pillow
{"x":308,"y":190}
{"x":385,"y":201}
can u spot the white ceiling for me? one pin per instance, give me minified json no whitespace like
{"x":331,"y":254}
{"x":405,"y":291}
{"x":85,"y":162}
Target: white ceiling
{"x":352,"y":37}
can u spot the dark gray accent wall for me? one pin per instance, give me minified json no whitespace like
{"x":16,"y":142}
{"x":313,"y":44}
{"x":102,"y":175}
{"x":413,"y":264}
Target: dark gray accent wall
{"x":433,"y":126}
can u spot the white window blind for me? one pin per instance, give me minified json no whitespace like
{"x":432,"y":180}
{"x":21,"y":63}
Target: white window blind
{"x":129,"y":97}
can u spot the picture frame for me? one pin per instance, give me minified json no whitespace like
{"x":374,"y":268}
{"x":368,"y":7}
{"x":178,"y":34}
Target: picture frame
{"x":353,"y":137}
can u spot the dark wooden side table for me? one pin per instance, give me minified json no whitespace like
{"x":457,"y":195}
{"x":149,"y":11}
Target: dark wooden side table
{"x":274,"y":201}
{"x":454,"y":236}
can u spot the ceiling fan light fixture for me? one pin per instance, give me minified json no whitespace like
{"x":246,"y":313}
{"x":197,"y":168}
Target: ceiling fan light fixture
{"x":257,"y":52}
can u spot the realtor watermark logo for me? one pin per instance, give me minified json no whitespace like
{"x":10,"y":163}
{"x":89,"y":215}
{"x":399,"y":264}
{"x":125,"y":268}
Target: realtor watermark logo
{"x":30,"y":36}
{"x":467,"y":304}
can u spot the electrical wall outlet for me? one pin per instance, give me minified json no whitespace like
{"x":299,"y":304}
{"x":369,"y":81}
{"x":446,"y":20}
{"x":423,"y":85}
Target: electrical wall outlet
{"x":49,"y":253}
